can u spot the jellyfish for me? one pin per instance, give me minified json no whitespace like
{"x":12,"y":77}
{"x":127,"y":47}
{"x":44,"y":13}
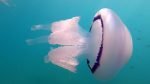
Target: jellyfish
{"x":7,"y":2}
{"x":107,"y":45}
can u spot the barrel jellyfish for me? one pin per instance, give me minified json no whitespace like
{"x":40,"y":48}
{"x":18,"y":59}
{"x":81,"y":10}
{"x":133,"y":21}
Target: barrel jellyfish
{"x":7,"y":3}
{"x":107,"y":45}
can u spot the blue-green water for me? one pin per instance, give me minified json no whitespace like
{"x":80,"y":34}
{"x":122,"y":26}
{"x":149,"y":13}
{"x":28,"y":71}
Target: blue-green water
{"x":23,"y":64}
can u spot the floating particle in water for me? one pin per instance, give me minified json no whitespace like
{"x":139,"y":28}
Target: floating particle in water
{"x":148,"y":46}
{"x":132,"y":67}
{"x":138,"y":38}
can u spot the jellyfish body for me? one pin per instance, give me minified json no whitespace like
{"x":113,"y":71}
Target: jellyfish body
{"x":70,"y":39}
{"x":108,"y":44}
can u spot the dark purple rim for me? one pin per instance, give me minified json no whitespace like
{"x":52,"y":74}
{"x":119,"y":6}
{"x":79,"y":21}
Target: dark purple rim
{"x":97,"y":62}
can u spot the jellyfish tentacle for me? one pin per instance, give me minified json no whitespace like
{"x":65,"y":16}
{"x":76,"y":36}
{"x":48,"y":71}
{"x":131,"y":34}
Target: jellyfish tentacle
{"x":40,"y":27}
{"x":61,"y":57}
{"x":42,"y":39}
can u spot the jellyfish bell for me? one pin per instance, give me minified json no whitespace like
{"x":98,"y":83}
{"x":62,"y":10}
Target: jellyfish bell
{"x":110,"y":44}
{"x":107,"y":45}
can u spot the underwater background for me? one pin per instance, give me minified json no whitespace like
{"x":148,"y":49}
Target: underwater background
{"x":24,"y":64}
